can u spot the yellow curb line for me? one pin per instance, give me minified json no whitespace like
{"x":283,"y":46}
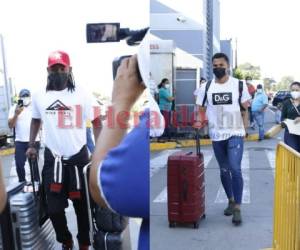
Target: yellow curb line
{"x":162,"y":146}
{"x":156,"y":146}
{"x":8,"y":151}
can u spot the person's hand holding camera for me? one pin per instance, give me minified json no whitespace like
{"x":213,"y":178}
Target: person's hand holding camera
{"x":18,"y":110}
{"x":127,"y":87}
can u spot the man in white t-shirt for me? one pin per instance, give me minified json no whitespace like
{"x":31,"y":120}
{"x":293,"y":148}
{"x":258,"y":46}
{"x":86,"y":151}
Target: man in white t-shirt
{"x":64,"y":109}
{"x":19,"y":118}
{"x":222,"y":99}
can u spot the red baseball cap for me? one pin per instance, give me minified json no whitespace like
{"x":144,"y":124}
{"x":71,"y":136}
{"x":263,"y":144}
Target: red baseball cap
{"x":58,"y":57}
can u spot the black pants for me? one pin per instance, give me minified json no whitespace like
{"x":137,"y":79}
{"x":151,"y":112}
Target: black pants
{"x":20,"y":158}
{"x":57,"y":202}
{"x":251,"y":118}
{"x":167,"y":116}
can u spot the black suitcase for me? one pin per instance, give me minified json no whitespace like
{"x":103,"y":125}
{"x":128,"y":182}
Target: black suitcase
{"x":20,"y":222}
{"x":106,"y":227}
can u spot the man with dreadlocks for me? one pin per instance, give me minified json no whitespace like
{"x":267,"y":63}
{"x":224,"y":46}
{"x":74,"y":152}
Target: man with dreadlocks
{"x":64,"y":109}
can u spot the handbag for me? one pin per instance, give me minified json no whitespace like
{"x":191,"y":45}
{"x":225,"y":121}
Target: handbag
{"x":109,"y":221}
{"x":108,"y":241}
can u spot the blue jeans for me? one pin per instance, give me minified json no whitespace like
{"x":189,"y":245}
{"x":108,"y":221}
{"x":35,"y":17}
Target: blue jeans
{"x":259,"y":119}
{"x":89,"y":140}
{"x":20,"y":158}
{"x":292,"y":140}
{"x":229,"y":155}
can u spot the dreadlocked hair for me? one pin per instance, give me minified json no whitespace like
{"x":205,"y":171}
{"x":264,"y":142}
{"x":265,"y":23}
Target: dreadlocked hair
{"x":71,"y":83}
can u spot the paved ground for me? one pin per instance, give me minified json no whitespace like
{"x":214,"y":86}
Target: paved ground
{"x":216,"y":232}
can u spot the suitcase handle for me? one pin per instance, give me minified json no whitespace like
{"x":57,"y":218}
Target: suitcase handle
{"x":34,"y":169}
{"x":189,"y":153}
{"x":197,"y":137}
{"x":86,"y":183}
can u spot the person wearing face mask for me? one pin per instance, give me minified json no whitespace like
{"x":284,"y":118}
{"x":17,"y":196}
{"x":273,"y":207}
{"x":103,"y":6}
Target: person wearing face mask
{"x":291,"y":110}
{"x":258,"y":106}
{"x":19,"y":119}
{"x":64,"y":110}
{"x":165,"y":105}
{"x":221,"y":99}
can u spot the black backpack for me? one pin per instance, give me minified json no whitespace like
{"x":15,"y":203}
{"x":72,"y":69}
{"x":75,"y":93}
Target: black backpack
{"x":240,"y":93}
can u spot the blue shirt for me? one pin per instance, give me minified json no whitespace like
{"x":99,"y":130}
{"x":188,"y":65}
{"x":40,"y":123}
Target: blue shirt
{"x":124,"y":177}
{"x":259,"y":101}
{"x":164,"y":103}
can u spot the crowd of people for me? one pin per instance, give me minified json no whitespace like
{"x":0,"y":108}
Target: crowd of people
{"x":229,"y":105}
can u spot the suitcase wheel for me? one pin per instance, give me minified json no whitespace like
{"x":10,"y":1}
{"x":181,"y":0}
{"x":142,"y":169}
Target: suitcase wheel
{"x":196,"y":224}
{"x":172,"y":224}
{"x":203,"y":216}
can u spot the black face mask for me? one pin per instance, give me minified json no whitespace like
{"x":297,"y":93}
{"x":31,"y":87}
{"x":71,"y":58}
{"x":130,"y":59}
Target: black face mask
{"x":219,"y":72}
{"x":57,"y":80}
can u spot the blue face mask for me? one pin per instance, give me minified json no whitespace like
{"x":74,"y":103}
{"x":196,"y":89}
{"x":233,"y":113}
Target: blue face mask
{"x":259,"y":91}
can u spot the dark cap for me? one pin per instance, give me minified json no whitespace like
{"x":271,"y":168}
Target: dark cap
{"x":24,"y":93}
{"x":259,"y":86}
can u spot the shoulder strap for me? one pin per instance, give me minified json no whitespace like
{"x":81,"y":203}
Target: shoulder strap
{"x":205,"y":94}
{"x":241,"y":85}
{"x":295,"y":107}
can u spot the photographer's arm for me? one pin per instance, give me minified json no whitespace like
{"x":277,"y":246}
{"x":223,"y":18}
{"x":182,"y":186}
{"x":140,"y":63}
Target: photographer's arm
{"x":126,"y":91}
{"x":109,"y":138}
{"x":13,"y":120}
{"x":97,"y":125}
{"x":2,"y":191}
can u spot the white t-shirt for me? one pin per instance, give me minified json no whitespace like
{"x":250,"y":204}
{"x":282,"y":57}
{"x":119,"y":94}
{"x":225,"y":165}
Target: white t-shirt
{"x":223,"y":109}
{"x":64,"y":115}
{"x":197,"y":91}
{"x":22,"y":127}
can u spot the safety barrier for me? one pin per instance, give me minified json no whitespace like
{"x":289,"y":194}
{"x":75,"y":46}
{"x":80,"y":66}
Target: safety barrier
{"x":286,"y":228}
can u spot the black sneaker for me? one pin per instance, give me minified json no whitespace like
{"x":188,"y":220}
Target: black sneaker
{"x":236,"y":218}
{"x":229,"y":210}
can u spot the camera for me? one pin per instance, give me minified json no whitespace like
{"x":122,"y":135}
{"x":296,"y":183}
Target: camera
{"x":111,"y":32}
{"x":20,"y":103}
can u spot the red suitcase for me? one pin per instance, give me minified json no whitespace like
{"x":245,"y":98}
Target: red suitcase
{"x":186,"y":191}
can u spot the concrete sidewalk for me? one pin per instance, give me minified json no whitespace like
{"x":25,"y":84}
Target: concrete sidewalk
{"x":216,"y":231}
